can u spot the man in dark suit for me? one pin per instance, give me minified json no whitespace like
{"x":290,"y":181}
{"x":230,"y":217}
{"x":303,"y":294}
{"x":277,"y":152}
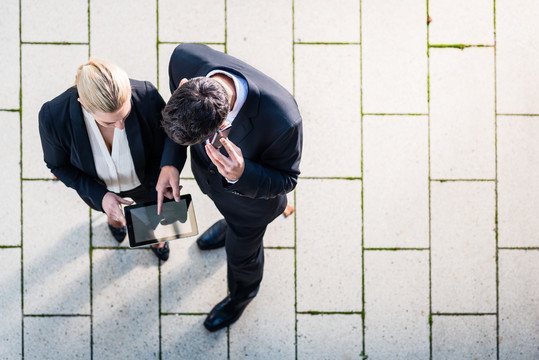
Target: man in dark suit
{"x":248,"y":177}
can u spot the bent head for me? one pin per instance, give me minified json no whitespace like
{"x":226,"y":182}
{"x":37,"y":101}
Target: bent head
{"x":195,"y":110}
{"x":105,"y":92}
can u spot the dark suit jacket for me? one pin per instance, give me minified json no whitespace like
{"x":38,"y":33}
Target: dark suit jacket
{"x":66,"y":146}
{"x":268,"y":130}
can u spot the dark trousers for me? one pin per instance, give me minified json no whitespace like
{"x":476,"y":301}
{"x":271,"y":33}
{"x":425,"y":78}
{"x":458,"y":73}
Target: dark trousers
{"x":245,"y":260}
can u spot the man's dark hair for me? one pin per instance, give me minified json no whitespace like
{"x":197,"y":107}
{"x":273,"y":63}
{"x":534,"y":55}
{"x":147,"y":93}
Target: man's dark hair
{"x":195,"y":111}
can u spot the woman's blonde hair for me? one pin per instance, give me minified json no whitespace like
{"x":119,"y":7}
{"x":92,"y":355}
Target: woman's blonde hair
{"x":102,"y":86}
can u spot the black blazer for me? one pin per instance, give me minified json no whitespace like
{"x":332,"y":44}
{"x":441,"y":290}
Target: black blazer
{"x":66,"y":146}
{"x":268,"y":130}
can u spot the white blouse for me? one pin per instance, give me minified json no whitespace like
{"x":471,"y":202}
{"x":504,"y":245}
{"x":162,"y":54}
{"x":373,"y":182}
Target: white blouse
{"x":116,"y":169}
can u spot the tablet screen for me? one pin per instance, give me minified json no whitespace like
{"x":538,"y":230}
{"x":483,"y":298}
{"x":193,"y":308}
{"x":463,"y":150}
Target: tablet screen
{"x":145,"y":227}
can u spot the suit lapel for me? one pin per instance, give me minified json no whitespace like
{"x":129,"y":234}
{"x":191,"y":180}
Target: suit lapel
{"x":134,"y":138}
{"x":81,"y":142}
{"x":242,"y":124}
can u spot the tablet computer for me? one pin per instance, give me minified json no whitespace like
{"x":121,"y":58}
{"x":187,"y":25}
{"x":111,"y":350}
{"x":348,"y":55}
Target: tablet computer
{"x":145,"y":227}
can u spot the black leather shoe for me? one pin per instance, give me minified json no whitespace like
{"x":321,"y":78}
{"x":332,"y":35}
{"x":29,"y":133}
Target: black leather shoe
{"x":225,"y":313}
{"x":118,"y":233}
{"x":162,"y":252}
{"x":214,"y":237}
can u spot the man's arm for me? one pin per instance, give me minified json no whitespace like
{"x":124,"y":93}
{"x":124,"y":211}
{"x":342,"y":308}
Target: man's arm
{"x":172,"y":162}
{"x":275,"y":174}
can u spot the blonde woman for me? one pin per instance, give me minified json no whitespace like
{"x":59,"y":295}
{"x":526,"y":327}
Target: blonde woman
{"x":102,"y":137}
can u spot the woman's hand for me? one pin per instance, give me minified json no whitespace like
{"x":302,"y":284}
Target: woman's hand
{"x":111,"y":205}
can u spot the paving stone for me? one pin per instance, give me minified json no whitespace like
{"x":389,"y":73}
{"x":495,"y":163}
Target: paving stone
{"x":260,"y":33}
{"x":329,"y":336}
{"x":464,"y":337}
{"x":182,"y":21}
{"x":9,"y":53}
{"x":266,"y":330}
{"x":281,"y":232}
{"x":329,"y":113}
{"x":165,"y":51}
{"x":125,"y":304}
{"x":205,"y":211}
{"x":101,"y":235}
{"x":192,"y":281}
{"x":10,"y":304}
{"x":323,"y":21}
{"x":517,"y":44}
{"x":46,"y":21}
{"x":329,"y":245}
{"x":55,"y":250}
{"x":184,"y":337}
{"x":57,"y":337}
{"x":47,"y":71}
{"x":518,"y":304}
{"x":394,"y":56}
{"x":397,"y":304}
{"x":124,"y":32}
{"x":10,"y":192}
{"x":461,"y":22}
{"x":518,"y":175}
{"x":463,"y":244}
{"x":396,"y":181}
{"x":462,"y":118}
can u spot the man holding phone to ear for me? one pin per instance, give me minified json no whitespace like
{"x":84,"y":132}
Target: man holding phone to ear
{"x":220,"y":100}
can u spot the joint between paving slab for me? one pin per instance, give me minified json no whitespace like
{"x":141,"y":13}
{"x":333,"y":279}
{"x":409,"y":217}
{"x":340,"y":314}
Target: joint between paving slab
{"x":532,"y":115}
{"x":21,"y":179}
{"x":325,"y":43}
{"x":496,"y":224}
{"x":458,"y":46}
{"x":363,"y":327}
{"x":329,"y":312}
{"x":394,"y":249}
{"x":182,"y":314}
{"x":120,"y":248}
{"x":462,"y":180}
{"x":157,"y":70}
{"x":53,"y":43}
{"x":395,"y":114}
{"x":463,"y":314}
{"x":429,"y":185}
{"x":328,"y":178}
{"x":38,"y":179}
{"x":10,"y":110}
{"x":191,"y":42}
{"x":524,"y":248}
{"x":56,"y":315}
{"x":90,"y":255}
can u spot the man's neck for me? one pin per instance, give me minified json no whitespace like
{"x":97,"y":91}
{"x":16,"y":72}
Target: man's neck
{"x":229,"y":86}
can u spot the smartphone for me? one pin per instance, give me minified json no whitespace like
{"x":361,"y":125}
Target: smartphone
{"x":222,"y":133}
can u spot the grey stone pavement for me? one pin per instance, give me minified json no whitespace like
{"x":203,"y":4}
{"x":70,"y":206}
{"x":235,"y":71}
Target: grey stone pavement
{"x":416,"y":231}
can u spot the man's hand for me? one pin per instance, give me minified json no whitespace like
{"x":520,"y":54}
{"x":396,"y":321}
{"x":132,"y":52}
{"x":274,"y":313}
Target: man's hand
{"x":168,"y":185}
{"x":111,"y":205}
{"x":230,"y":167}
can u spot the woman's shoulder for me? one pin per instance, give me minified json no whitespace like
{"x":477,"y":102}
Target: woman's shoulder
{"x":141,"y":88}
{"x":59,"y":106}
{"x":145,"y":94}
